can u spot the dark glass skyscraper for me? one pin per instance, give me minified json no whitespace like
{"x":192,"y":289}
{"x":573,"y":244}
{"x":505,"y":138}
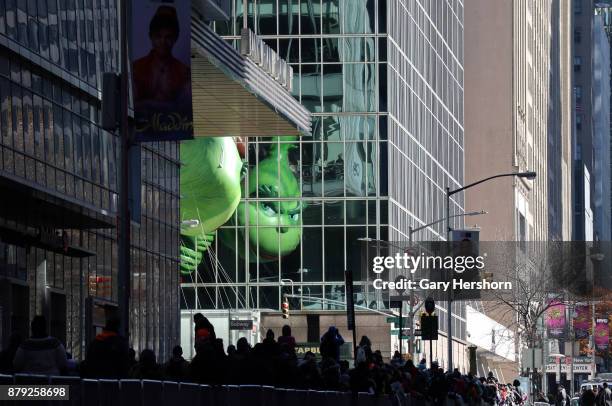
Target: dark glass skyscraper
{"x":58,"y":179}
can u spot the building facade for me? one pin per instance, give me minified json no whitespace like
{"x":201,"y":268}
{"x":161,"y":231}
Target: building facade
{"x":561,"y":122}
{"x":601,"y":130}
{"x":513,"y":75}
{"x":604,"y":9}
{"x":584,"y":181}
{"x":591,"y":36}
{"x":518,"y":118}
{"x":383,"y":80}
{"x":58,"y":244}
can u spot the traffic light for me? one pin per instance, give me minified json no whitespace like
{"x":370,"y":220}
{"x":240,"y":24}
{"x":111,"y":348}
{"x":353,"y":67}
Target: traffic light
{"x":429,"y":327}
{"x":465,"y":249}
{"x":285,"y":307}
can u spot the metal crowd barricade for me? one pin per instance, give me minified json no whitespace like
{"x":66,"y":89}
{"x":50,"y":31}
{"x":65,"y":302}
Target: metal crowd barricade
{"x":108,"y":392}
{"x":152,"y":392}
{"x":130,"y":392}
{"x":136,"y":392}
{"x":189,"y":394}
{"x":169,"y":392}
{"x":75,"y":392}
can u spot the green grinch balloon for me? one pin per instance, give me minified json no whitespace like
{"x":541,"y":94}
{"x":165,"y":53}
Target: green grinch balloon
{"x":211,"y":185}
{"x":210,"y":193}
{"x":278,"y":231}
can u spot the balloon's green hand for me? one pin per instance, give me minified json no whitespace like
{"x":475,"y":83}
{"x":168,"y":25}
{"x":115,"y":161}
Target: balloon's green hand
{"x":192,"y":251}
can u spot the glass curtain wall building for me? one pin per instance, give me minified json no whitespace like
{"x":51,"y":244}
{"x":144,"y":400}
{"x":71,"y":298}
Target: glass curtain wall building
{"x":384,"y":82}
{"x":52,"y":56}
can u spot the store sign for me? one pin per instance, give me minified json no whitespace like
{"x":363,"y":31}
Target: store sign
{"x":565,"y":368}
{"x":256,"y":50}
{"x":346,"y":350}
{"x":241,"y":325}
{"x":581,"y":364}
{"x":577,"y":360}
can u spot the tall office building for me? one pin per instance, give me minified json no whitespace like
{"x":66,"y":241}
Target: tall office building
{"x":383,"y":80}
{"x":604,"y":10}
{"x":518,"y":118}
{"x":58,"y":179}
{"x":601,"y":131}
{"x":559,"y":155}
{"x":592,"y":129}
{"x":583,"y":226}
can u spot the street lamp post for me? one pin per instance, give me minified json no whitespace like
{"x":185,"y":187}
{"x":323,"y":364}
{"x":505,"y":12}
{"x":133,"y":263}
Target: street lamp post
{"x":449,"y":193}
{"x":412,"y":310}
{"x":594,"y":257}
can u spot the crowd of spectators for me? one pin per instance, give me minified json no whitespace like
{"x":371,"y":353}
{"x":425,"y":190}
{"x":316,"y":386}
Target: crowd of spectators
{"x":272,"y":362}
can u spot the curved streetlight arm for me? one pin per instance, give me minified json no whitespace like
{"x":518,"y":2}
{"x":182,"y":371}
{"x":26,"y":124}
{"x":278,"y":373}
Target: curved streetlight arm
{"x":528,"y":175}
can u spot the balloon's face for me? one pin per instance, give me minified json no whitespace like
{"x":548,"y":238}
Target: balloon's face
{"x":274,"y":226}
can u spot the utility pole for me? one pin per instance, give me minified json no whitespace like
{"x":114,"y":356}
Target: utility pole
{"x":449,"y":307}
{"x":572,"y":309}
{"x":123,"y":235}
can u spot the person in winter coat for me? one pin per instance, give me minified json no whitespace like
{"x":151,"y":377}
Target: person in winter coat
{"x":604,"y":397}
{"x":177,"y":368}
{"x":204,"y":330}
{"x":108,"y":354}
{"x":364,"y":350}
{"x":330,"y":344}
{"x":587,"y":398}
{"x":562,"y":399}
{"x":147,"y":367}
{"x":41,"y":354}
{"x":286,"y":340}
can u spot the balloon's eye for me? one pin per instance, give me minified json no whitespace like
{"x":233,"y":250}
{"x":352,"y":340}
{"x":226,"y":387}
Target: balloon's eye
{"x":268,"y":209}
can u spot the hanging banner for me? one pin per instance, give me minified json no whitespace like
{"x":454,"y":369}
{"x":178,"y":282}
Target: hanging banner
{"x":582,"y":321}
{"x":602,"y":334}
{"x":555,"y":319}
{"x":160,"y":50}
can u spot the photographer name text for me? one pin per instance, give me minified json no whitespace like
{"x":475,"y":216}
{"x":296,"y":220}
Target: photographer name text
{"x":426,"y":284}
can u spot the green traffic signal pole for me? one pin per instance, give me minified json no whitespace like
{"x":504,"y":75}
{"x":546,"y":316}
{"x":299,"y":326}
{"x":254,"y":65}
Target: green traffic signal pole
{"x":449,"y":193}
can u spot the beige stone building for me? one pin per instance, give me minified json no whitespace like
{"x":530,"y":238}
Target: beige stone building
{"x":518,"y":117}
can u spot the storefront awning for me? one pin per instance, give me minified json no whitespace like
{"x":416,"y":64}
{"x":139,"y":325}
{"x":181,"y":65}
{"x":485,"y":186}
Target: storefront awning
{"x":233,"y":96}
{"x":32,"y":205}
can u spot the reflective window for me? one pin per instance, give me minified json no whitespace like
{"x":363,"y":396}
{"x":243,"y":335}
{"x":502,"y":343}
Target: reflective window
{"x":378,"y":112}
